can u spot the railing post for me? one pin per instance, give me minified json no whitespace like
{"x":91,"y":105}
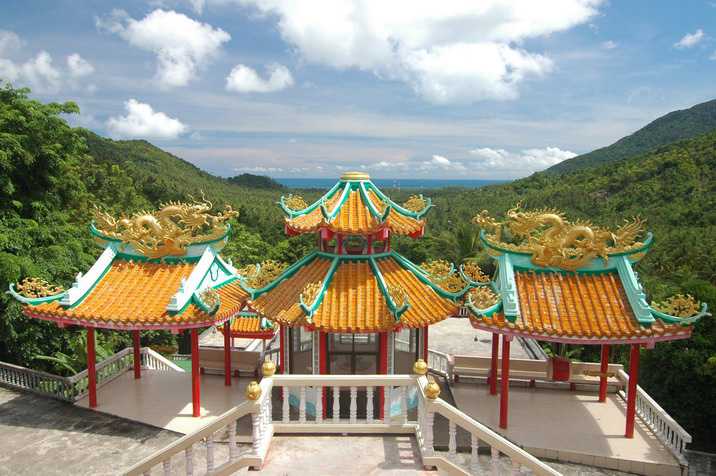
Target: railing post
{"x":302,"y":405}
{"x":189,"y":460}
{"x":495,"y":461}
{"x":369,"y":405}
{"x":387,"y":391}
{"x":354,"y":405}
{"x":452,"y":442}
{"x":336,"y":405}
{"x":319,"y":403}
{"x":404,"y":404}
{"x":210,"y":453}
{"x":232,"y":441}
{"x":474,"y":454}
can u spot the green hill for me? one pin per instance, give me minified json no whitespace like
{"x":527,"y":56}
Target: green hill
{"x":672,"y":127}
{"x":256,"y":181}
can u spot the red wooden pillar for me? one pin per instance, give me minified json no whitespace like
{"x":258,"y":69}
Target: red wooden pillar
{"x":195,"y":377}
{"x":504,"y":396}
{"x":227,"y":353}
{"x":281,"y":348}
{"x":91,"y":368}
{"x":603,"y":367}
{"x":631,"y":391}
{"x":137,"y":354}
{"x":383,"y":369}
{"x":493,"y":363}
{"x":425,"y":343}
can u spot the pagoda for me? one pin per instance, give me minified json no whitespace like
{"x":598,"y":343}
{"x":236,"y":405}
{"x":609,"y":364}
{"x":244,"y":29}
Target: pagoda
{"x":572,"y":283}
{"x":353,"y":305}
{"x":157,"y":271}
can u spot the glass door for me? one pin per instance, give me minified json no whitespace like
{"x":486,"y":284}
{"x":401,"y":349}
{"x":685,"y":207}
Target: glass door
{"x":352,"y":354}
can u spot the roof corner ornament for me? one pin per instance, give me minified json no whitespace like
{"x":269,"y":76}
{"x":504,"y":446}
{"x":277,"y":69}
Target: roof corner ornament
{"x":309,"y":297}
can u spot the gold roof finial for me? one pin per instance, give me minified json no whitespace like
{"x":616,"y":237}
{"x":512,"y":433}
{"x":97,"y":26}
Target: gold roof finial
{"x":355,"y":176}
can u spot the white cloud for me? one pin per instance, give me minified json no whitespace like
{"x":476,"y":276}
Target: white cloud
{"x":9,"y":42}
{"x":690,"y":39}
{"x":609,"y":45}
{"x":142,"y":121}
{"x":78,"y":66}
{"x":448,"y":52}
{"x":38,"y":73}
{"x":183,"y":46}
{"x":500,"y":161}
{"x":246,"y":80}
{"x":198,"y":5}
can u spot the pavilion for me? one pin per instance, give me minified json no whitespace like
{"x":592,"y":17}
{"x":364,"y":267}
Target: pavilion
{"x":157,"y":271}
{"x":571,"y":283}
{"x":342,"y":308}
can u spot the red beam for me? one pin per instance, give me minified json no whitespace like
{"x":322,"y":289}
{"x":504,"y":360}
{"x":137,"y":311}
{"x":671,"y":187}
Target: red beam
{"x":603,"y":367}
{"x":195,"y":377}
{"x":227,"y":353}
{"x":504,"y":396}
{"x":91,"y":368}
{"x":631,"y":391}
{"x":137,"y":355}
{"x":493,"y":363}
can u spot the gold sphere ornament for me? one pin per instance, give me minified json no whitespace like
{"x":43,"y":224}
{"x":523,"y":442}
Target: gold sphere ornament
{"x":432,"y":390}
{"x":420,"y":367}
{"x":253,"y":391}
{"x":268,"y":368}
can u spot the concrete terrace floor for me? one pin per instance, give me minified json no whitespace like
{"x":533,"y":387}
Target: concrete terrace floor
{"x":457,"y":337}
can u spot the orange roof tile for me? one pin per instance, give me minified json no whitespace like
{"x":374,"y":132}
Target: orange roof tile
{"x":355,"y":218}
{"x":249,"y":326}
{"x":135,"y":295}
{"x":560,"y":306}
{"x":353,"y":301}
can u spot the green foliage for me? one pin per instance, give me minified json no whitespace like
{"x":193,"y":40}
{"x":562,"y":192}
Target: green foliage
{"x":255,"y":181}
{"x":675,"y":126}
{"x":75,"y":360}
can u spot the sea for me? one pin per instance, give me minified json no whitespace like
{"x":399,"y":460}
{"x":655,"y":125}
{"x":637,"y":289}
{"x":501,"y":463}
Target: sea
{"x":419,"y":184}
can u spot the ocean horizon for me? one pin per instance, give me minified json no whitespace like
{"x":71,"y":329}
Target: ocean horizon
{"x":324,"y":183}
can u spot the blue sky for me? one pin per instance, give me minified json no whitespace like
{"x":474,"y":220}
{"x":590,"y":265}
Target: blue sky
{"x":451,"y":89}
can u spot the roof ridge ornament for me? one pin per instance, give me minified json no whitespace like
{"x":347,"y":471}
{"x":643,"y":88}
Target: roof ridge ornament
{"x":167,"y":231}
{"x":554,"y":242}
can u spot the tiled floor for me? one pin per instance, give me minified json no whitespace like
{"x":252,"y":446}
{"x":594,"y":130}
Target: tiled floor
{"x":163,"y":399}
{"x":575,"y":425}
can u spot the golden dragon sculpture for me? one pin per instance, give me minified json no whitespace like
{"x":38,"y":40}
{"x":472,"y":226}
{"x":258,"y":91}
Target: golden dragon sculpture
{"x":555,"y":242}
{"x":167,"y":231}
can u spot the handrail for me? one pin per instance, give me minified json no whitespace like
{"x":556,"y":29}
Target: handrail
{"x":152,"y":359}
{"x":666,"y":429}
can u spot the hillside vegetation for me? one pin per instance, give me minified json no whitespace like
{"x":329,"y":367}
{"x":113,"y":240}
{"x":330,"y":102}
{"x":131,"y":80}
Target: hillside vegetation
{"x":674,"y":126}
{"x":52,"y":175}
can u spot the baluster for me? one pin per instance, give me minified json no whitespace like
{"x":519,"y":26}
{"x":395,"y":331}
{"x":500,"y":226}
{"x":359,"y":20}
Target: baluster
{"x":354,"y":405}
{"x":452,"y":444}
{"x":404,"y":404}
{"x":474,"y":457}
{"x":336,"y":404}
{"x":369,"y":405}
{"x":302,"y":406}
{"x":285,"y":391}
{"x":232,"y":441}
{"x":167,"y":467}
{"x":319,"y":404}
{"x":189,"y":458}
{"x":429,"y":420}
{"x":515,"y":467}
{"x":386,"y":404}
{"x":209,"y":453}
{"x":495,"y":461}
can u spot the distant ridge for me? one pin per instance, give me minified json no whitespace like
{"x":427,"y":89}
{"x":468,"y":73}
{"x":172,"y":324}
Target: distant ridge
{"x":672,"y":127}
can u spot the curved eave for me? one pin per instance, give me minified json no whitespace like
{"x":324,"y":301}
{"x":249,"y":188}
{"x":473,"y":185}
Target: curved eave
{"x":310,"y":309}
{"x":484,"y":312}
{"x":296,"y":213}
{"x":478,"y":323}
{"x":683,"y":321}
{"x":634,"y":255}
{"x":288,"y":272}
{"x":425,"y":279}
{"x":398,"y":208}
{"x":33,"y":301}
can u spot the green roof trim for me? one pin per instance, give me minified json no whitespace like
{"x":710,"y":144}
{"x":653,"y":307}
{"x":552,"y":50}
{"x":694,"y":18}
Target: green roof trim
{"x":290,"y":271}
{"x":196,"y":298}
{"x":309,"y":310}
{"x":394,"y":309}
{"x":508,"y":287}
{"x":487,"y":312}
{"x":403,"y":211}
{"x":634,"y":291}
{"x":294,"y":213}
{"x":423,"y":277}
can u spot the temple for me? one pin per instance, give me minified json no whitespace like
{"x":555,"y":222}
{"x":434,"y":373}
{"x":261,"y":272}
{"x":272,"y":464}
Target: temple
{"x":349,"y":323}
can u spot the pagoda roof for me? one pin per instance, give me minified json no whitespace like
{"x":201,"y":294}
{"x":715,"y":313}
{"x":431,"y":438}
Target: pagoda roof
{"x":355,"y":206}
{"x":248,"y":324}
{"x":355,"y":293}
{"x":123,"y":292}
{"x":571,"y":283}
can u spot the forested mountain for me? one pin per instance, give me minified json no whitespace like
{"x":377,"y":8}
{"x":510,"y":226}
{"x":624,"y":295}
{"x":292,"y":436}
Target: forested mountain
{"x":51,"y":176}
{"x":256,"y":181}
{"x":672,"y":127}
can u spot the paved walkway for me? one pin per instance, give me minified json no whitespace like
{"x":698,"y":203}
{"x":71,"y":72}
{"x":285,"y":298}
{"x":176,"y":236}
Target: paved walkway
{"x":457,"y":337}
{"x":39,"y":435}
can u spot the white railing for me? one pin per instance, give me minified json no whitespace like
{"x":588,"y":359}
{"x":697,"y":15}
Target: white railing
{"x":75,"y":387}
{"x":440,"y":363}
{"x":666,"y":429}
{"x":182,"y":454}
{"x":312,"y":389}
